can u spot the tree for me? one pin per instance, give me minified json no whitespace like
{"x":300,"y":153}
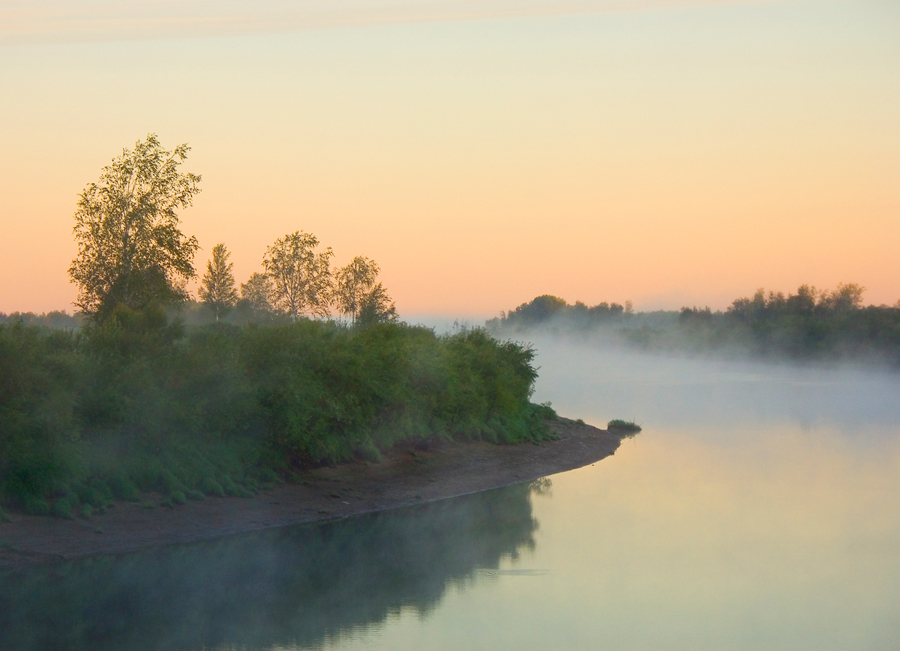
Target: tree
{"x":376,"y":307}
{"x":130,"y":249}
{"x":300,"y":276}
{"x":845,"y":298}
{"x":353,"y":284}
{"x":217,"y":288}
{"x":257,"y":291}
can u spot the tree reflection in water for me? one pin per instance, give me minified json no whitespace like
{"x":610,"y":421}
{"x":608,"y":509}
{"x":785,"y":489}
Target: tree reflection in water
{"x":290,"y":586}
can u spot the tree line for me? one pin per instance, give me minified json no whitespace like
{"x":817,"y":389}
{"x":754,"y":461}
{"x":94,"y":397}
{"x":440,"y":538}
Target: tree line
{"x":132,"y":253}
{"x":810,"y":323}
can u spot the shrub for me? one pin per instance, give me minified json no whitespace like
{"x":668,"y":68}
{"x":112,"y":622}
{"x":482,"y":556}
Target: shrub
{"x":141,"y":403}
{"x":62,"y":508}
{"x":623,"y":427}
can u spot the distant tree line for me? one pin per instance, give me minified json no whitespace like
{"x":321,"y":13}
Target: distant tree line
{"x":807,"y":324}
{"x":56,"y":319}
{"x":545,"y":310}
{"x":810,"y":323}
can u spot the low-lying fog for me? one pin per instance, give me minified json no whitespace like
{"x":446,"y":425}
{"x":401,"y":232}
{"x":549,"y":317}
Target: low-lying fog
{"x":599,"y":383}
{"x":758,"y":509}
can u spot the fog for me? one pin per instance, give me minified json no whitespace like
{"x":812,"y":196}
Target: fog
{"x":599,"y":382}
{"x":757,"y":509}
{"x":292,"y":586}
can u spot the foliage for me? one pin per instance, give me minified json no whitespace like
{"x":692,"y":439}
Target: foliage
{"x":255,"y":304}
{"x":376,"y":307}
{"x":808,"y":324}
{"x":130,"y":248}
{"x":625,"y":428}
{"x":59,"y":319}
{"x":38,"y":429}
{"x":554,"y":311}
{"x":357,"y":294}
{"x":301,"y":278}
{"x":217,"y":288}
{"x":353,"y":283}
{"x":139,"y":402}
{"x":545,"y":411}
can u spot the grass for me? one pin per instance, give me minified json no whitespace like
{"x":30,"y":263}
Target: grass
{"x":624,"y":428}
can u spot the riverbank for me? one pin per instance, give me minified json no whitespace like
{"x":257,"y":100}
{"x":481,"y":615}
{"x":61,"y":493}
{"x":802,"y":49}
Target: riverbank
{"x":404,"y":477}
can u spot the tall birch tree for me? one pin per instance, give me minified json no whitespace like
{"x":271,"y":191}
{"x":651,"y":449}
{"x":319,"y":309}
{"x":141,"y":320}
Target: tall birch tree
{"x":301,"y":277}
{"x":131,"y":250}
{"x":352,"y":284}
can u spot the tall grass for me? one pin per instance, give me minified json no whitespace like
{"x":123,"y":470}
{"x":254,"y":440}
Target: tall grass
{"x":142,"y":403}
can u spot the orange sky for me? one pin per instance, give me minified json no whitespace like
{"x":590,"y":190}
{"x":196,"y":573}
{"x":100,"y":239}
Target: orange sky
{"x":684,"y":154}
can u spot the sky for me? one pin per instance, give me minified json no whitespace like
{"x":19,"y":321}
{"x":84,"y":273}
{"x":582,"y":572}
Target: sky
{"x":669,"y":153}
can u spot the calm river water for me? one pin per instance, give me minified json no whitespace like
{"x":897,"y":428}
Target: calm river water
{"x":759,"y":509}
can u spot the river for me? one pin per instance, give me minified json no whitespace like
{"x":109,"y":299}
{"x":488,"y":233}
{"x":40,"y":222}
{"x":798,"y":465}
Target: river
{"x":758,"y":509}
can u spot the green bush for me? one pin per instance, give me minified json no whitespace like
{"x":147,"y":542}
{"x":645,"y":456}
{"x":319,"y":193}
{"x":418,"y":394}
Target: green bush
{"x":212,"y":487}
{"x":62,"y":508}
{"x":623,"y":427}
{"x":141,"y":403}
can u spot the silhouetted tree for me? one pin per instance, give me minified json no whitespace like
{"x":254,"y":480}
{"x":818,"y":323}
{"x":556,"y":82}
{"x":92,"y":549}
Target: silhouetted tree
{"x":131,"y":251}
{"x":217,"y":289}
{"x":257,"y":291}
{"x":301,"y":277}
{"x":376,"y":307}
{"x":353,"y":284}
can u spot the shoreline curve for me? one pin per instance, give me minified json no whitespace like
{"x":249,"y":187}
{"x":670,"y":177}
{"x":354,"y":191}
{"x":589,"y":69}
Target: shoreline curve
{"x":403,"y":478}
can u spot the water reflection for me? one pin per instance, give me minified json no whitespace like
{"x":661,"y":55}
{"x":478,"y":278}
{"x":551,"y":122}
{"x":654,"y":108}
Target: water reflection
{"x":759,"y":509}
{"x":296,"y":586}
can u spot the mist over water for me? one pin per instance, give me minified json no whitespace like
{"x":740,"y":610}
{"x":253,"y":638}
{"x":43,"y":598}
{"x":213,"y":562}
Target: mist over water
{"x":758,"y":509}
{"x":597,"y":383}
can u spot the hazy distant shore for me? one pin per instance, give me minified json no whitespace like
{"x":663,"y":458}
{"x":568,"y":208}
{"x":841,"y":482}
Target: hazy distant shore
{"x":404,"y":477}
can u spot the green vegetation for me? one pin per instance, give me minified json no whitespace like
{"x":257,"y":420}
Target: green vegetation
{"x":550,"y":310}
{"x":141,"y":403}
{"x":130,"y":249}
{"x":58,"y":319}
{"x":625,"y":428}
{"x":217,"y":290}
{"x":810,"y":324}
{"x":239,"y":393}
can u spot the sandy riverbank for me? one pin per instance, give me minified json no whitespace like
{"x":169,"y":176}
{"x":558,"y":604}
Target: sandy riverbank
{"x":402,"y":478}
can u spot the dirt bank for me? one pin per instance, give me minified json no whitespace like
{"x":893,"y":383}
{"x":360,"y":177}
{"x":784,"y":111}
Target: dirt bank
{"x":402,"y":478}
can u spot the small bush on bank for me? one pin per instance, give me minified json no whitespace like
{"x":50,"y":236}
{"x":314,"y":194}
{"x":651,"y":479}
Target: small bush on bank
{"x":624,"y":428}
